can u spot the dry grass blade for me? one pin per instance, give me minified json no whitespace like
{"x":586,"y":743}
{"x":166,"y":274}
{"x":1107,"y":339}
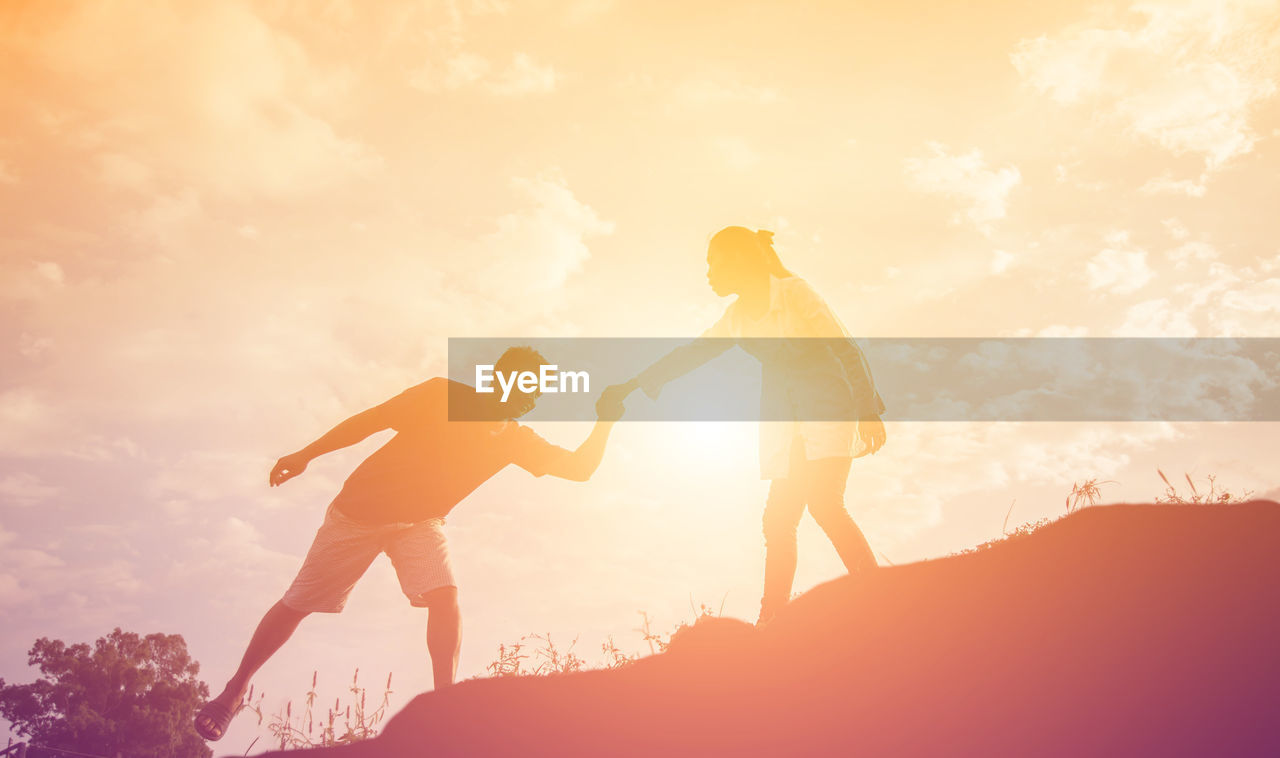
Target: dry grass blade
{"x":304,"y":733}
{"x":1086,"y":493}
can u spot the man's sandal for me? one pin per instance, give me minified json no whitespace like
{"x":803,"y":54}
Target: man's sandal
{"x":212,"y":720}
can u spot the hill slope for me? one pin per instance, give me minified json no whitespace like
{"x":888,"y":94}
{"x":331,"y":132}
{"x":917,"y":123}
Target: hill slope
{"x":1120,"y":630}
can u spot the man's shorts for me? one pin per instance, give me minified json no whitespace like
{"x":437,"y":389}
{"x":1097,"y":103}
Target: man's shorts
{"x":343,"y":550}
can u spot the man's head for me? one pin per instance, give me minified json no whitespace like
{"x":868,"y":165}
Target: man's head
{"x":514,"y":361}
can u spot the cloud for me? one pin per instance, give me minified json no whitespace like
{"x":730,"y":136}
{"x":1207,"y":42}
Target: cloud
{"x":1184,"y":254}
{"x":1063,"y":174}
{"x":1201,"y":294}
{"x":204,"y":478}
{"x":229,"y":563}
{"x":33,"y":347}
{"x":1156,"y":318}
{"x":1120,"y":269}
{"x":1251,"y":308}
{"x":23,"y":489}
{"x":736,"y":151}
{"x":1001,"y":260}
{"x":524,"y":77}
{"x":1166,"y":184}
{"x":968,"y":178}
{"x":1062,"y":330}
{"x":1203,"y":109}
{"x":7,"y":176}
{"x":11,"y":592}
{"x":581,"y":11}
{"x":30,"y":281}
{"x":26,"y":420}
{"x":36,"y":582}
{"x":124,"y":171}
{"x":521,"y":77}
{"x":50,"y":271}
{"x":213,"y":98}
{"x":1258,"y":297}
{"x":166,"y":218}
{"x":721,"y":91}
{"x":1186,"y":76}
{"x":1070,"y":68}
{"x":463,"y":69}
{"x":1220,"y":298}
{"x":1176,"y":228}
{"x":537,"y":248}
{"x":943,"y":463}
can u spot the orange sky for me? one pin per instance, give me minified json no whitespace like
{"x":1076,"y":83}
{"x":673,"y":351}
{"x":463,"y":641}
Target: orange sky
{"x":228,"y":225}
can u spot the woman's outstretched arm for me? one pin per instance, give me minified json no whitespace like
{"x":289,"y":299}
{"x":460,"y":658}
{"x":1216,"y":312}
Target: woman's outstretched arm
{"x":681,"y":361}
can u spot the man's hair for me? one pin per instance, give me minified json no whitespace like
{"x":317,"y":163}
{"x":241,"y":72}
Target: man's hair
{"x":521,"y":358}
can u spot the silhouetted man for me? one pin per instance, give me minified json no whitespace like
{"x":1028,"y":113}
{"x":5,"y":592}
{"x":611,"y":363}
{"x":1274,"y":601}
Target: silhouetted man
{"x":395,"y":502}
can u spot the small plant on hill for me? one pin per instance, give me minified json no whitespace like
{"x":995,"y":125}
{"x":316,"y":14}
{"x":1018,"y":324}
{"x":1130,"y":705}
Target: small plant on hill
{"x":1017,"y":533}
{"x":1085,"y":494}
{"x":614,"y":657}
{"x":1082,"y":495}
{"x":341,"y":725}
{"x":657,"y":643}
{"x":1209,"y":496}
{"x":1089,"y":492}
{"x":537,"y":654}
{"x":514,"y":659}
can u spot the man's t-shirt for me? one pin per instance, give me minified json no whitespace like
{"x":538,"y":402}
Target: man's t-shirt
{"x":432,"y":463}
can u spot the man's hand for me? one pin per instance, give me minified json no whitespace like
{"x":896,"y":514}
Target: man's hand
{"x":610,"y":406}
{"x":287,"y":468}
{"x":872,"y":435}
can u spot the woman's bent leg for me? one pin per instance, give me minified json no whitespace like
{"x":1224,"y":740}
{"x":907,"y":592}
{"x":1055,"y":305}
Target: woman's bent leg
{"x":826,"y":479}
{"x":782,"y":514}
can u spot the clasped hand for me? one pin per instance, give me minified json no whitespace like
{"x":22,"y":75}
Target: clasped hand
{"x":610,"y":406}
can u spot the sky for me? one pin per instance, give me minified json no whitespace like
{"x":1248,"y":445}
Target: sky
{"x":226,"y":226}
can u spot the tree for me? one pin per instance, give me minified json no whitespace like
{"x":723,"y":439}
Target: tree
{"x":128,"y":694}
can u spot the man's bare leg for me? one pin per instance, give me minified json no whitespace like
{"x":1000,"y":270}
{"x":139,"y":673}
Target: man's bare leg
{"x":275,"y":628}
{"x":444,"y":634}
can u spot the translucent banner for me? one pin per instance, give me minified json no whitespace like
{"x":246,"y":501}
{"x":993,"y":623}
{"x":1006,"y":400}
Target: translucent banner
{"x":963,"y":379}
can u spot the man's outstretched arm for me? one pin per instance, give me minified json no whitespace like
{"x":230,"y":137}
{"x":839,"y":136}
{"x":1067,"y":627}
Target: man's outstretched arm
{"x":345,"y":434}
{"x":579,"y":465}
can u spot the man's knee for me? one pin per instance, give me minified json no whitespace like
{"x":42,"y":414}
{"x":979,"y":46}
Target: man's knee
{"x":441,"y":598}
{"x":283,"y":610}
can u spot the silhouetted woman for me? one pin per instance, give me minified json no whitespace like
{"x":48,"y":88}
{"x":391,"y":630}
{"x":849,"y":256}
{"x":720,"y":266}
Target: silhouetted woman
{"x":813,"y":376}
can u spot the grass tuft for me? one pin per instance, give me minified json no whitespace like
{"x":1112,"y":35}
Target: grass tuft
{"x":340,"y":725}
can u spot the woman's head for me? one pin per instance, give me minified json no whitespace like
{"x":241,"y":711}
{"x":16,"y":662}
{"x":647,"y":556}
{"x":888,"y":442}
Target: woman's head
{"x":738,"y":256}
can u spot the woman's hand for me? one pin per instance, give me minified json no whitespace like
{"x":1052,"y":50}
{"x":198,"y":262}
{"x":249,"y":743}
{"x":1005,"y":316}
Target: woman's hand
{"x":872,"y":435}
